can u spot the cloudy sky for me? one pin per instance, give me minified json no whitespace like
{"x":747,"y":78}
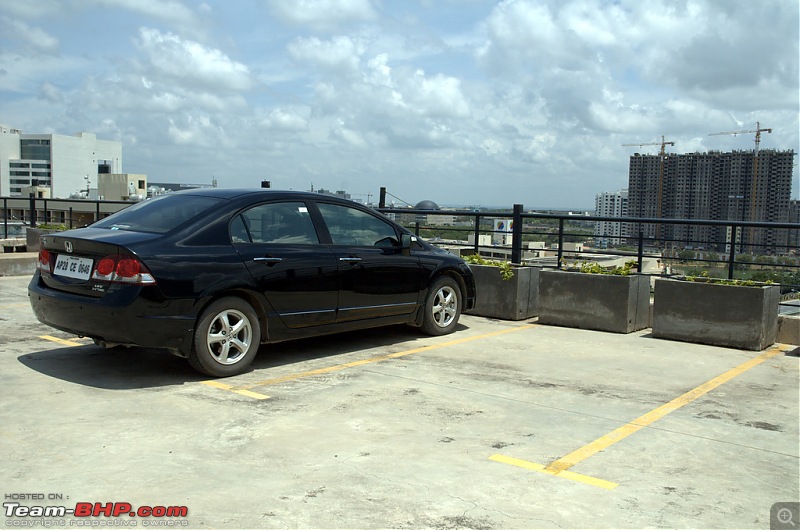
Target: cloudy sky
{"x":464,"y":102}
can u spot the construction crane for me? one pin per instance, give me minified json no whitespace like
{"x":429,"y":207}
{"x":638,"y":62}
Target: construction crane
{"x":663,"y":143}
{"x":753,"y":181}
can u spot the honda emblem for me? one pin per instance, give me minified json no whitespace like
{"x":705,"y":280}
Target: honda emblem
{"x":68,"y":246}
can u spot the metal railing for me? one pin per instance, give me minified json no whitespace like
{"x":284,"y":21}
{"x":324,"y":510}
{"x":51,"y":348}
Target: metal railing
{"x":73,"y":213}
{"x":734,"y":248}
{"x":740,"y":250}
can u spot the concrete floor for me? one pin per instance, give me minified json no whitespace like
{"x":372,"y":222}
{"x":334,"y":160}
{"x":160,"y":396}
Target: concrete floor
{"x":500,"y":425}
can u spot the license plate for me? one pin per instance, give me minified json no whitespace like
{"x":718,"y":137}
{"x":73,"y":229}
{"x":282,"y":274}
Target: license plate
{"x":73,"y":267}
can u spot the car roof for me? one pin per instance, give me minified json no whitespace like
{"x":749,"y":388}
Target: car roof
{"x":233,"y":193}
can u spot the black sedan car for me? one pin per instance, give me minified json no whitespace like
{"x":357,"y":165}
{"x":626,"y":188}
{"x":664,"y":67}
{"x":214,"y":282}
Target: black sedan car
{"x":211,"y":274}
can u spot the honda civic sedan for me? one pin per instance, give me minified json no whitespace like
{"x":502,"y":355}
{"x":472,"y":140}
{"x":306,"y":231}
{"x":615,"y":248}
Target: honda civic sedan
{"x":212,"y":274}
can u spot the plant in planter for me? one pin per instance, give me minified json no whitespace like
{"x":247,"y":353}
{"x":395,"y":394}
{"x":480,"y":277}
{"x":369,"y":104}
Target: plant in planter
{"x":733,"y":313}
{"x":505,"y":291}
{"x":591,"y":297}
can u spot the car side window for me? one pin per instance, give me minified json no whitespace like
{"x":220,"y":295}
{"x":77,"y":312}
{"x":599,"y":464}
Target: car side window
{"x":277,"y":223}
{"x":351,"y":226}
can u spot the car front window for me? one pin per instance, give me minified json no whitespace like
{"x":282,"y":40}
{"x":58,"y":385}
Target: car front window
{"x":351,"y":226}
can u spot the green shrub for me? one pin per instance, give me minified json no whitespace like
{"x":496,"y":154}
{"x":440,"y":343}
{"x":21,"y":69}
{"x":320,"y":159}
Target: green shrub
{"x":506,"y":272}
{"x":594,"y":268}
{"x":51,"y":226}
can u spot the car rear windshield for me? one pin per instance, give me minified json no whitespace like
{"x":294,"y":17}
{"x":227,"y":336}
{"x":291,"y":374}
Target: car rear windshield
{"x":160,"y":214}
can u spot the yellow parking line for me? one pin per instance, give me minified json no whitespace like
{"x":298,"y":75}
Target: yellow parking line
{"x":230,"y":388}
{"x":16,"y":304}
{"x":338,"y":367}
{"x":559,"y":467}
{"x":641,"y":422}
{"x":63,"y":342}
{"x":245,"y":390}
{"x":577,"y":477}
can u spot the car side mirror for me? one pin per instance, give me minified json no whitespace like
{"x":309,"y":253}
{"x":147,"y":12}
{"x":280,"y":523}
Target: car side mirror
{"x":405,"y":242}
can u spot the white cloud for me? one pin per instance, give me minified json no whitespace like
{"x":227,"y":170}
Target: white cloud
{"x":438,"y":96}
{"x":32,"y":9}
{"x":323,"y":14}
{"x":285,"y":120}
{"x":36,"y":38}
{"x":21,"y":73}
{"x":340,"y":54}
{"x":191,"y":62}
{"x":170,"y":11}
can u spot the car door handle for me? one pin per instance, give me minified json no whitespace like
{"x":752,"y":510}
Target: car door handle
{"x":268,"y":260}
{"x":350,"y":259}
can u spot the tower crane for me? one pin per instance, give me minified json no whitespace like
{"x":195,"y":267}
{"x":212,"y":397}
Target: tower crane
{"x":753,"y":181}
{"x":663,"y":143}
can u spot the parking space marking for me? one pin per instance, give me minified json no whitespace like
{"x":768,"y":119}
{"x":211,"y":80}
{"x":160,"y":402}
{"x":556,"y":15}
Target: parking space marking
{"x":16,"y":304}
{"x":338,"y":367}
{"x":577,"y":477}
{"x":231,"y":388}
{"x":559,"y":467}
{"x":63,"y":342}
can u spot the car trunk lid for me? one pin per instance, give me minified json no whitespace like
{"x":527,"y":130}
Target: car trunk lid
{"x":87,"y":261}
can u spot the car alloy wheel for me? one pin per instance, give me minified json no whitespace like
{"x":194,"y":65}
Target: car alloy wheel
{"x":226,"y":338}
{"x":229,"y":337}
{"x":443,"y":310}
{"x":442,"y":307}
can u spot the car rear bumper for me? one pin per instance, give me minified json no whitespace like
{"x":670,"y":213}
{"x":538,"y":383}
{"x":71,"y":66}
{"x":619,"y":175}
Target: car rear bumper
{"x":121,"y":317}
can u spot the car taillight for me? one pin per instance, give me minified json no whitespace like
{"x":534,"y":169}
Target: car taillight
{"x":123,"y":269}
{"x":44,"y":261}
{"x":104,"y":268}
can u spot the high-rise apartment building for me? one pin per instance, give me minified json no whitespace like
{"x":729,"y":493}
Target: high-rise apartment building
{"x":735,"y":186}
{"x":794,"y":217}
{"x":64,"y":164}
{"x":610,"y":204}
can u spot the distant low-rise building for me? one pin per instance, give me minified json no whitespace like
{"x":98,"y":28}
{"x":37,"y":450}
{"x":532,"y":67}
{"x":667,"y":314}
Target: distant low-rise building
{"x":64,"y":164}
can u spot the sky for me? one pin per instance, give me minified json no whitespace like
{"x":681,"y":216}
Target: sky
{"x":463,"y":102}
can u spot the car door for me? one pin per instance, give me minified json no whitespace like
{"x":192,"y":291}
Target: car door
{"x":281,"y":248}
{"x":376,"y":278}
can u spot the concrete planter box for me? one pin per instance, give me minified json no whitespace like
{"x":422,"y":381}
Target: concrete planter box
{"x":721,"y":315}
{"x":620,"y":304}
{"x":512,"y":299}
{"x":33,"y":237}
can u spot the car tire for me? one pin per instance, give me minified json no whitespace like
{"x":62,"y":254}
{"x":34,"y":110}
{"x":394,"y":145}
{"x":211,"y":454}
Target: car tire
{"x":226,"y":338}
{"x":442,"y":307}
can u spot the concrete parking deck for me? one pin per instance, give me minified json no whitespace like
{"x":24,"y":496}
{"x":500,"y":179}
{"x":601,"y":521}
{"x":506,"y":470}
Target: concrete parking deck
{"x":500,"y":425}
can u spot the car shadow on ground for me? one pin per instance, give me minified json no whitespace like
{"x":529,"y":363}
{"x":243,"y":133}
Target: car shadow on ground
{"x":124,"y":368}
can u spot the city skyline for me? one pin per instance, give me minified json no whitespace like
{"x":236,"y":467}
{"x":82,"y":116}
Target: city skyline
{"x":470,"y":103}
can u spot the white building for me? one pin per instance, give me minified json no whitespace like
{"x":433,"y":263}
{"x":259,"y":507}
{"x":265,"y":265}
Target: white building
{"x":610,"y":204}
{"x":64,"y":164}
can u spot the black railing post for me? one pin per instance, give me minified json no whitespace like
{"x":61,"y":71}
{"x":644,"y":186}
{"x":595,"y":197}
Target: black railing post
{"x":33,"y":210}
{"x":516,"y":235}
{"x":70,"y":217}
{"x":46,"y":217}
{"x":416,"y":228}
{"x":560,"y":242}
{"x":382,"y":199}
{"x":5,"y":218}
{"x":640,"y":257}
{"x":97,"y":212}
{"x":732,"y":253}
{"x":477,"y":233}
